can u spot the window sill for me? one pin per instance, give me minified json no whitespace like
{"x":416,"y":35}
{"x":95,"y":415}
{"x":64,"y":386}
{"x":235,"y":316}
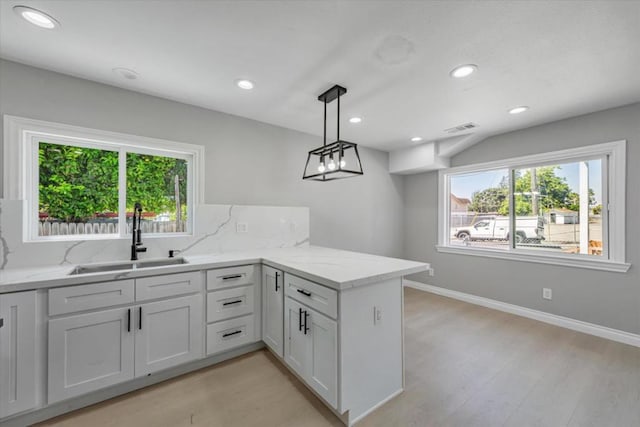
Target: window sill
{"x":566,"y":261}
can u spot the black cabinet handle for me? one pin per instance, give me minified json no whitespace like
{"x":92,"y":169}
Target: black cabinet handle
{"x":300,"y":319}
{"x":303,"y":292}
{"x":232,"y":302}
{"x":277,"y":287}
{"x":231,"y":333}
{"x":306,"y":316}
{"x":234,"y":276}
{"x":140,"y":317}
{"x":128,"y":320}
{"x":1,"y":322}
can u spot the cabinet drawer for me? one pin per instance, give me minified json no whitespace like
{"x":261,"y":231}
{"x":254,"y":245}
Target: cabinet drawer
{"x":231,"y":276}
{"x":88,"y":297}
{"x":227,"y":303}
{"x":232,"y":333}
{"x":168,"y":285}
{"x":323,"y":299}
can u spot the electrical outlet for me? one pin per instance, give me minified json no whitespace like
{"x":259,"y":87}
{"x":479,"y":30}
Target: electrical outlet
{"x":242,"y":227}
{"x":546,"y":293}
{"x":377,"y":315}
{"x":431,"y":272}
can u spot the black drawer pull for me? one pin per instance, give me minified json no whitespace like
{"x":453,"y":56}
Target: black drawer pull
{"x":232,"y":302}
{"x":303,"y":292}
{"x":277,"y":274}
{"x":140,"y":317}
{"x":128,"y":320}
{"x":234,"y":276}
{"x":231,"y":333}
{"x":300,"y":319}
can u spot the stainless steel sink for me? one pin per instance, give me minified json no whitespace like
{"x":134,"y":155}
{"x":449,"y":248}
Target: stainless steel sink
{"x":161,"y":262}
{"x":104,"y":268}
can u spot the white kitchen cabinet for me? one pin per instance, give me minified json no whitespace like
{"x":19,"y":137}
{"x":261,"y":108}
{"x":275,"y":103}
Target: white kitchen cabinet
{"x":229,"y":334}
{"x":168,"y":333}
{"x":154,"y":287}
{"x":273,"y":309}
{"x":97,"y":349}
{"x":296,"y":348}
{"x":311,"y":348}
{"x":17,"y":352}
{"x":90,"y":351}
{"x":228,"y":303}
{"x":323,"y":355}
{"x":72,"y":299}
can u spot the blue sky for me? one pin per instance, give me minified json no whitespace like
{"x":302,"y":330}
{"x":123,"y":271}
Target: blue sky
{"x":465,"y":185}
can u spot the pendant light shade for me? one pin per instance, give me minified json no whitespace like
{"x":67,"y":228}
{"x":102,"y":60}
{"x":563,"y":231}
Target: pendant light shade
{"x":337,"y":160}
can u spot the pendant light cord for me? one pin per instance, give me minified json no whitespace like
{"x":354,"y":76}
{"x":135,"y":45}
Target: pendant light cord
{"x":338,"y":132}
{"x":325,"y":124}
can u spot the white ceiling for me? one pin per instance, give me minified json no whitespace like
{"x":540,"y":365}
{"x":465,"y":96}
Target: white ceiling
{"x":562,"y":58}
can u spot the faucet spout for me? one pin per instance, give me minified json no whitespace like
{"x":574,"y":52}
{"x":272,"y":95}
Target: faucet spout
{"x":136,"y":233}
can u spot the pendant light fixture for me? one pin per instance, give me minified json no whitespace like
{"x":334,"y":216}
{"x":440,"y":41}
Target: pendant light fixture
{"x":337,"y":160}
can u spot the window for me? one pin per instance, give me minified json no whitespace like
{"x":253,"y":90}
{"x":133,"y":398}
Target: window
{"x":83,"y":184}
{"x":565,"y":207}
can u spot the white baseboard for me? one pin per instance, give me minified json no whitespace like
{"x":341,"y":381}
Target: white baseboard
{"x":553,"y":319}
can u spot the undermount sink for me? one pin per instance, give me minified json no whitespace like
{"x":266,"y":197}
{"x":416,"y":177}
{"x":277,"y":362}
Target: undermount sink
{"x":104,"y":268}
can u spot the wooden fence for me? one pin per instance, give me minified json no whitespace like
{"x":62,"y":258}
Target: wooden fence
{"x":49,"y":228}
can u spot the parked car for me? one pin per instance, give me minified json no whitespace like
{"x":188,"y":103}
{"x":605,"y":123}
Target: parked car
{"x":529,"y":229}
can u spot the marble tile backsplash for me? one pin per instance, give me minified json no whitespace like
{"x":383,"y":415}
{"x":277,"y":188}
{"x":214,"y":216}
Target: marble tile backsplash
{"x":215,"y":232}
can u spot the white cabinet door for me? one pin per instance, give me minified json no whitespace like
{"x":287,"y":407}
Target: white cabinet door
{"x":273,"y":309}
{"x":311,"y":348}
{"x":323,"y":364}
{"x":167,"y":333}
{"x":17,"y":352}
{"x":90,"y":351}
{"x":296,"y":345}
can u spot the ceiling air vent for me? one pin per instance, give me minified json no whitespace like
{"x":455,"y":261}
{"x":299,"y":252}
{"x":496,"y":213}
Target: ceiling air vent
{"x":460,"y":128}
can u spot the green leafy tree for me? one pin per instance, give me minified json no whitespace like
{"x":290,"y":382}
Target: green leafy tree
{"x":553,"y":192}
{"x":150,"y":181}
{"x":490,"y":200}
{"x":76,"y":183}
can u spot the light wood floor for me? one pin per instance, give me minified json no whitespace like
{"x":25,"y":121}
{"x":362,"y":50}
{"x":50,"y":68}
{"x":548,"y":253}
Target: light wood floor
{"x":465,"y":366}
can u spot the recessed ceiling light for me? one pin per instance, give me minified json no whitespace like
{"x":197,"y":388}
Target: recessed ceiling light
{"x":244,"y":84}
{"x":36,"y":17}
{"x":416,"y":139}
{"x":518,"y":110}
{"x":355,"y":120}
{"x":463,"y":71}
{"x":126,"y":73}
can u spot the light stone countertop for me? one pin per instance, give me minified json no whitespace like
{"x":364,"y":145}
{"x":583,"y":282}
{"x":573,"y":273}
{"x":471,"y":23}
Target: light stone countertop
{"x":334,"y":268}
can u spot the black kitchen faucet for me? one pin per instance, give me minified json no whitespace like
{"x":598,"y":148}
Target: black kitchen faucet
{"x":136,"y":233}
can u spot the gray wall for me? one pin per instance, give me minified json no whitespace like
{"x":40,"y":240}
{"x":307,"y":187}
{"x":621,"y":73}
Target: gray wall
{"x":609,"y":299}
{"x":247,"y":162}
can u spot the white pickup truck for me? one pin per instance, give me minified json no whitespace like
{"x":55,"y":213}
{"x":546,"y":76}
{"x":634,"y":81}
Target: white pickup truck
{"x":529,"y":229}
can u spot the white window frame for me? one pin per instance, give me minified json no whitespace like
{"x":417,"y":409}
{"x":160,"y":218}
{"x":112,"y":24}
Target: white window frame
{"x":613,"y":207}
{"x":21,"y":139}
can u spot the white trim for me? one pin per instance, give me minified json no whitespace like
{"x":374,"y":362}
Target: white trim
{"x":552,"y":319}
{"x":595,"y":150}
{"x":539,"y":257}
{"x":613,"y":193}
{"x":20,"y":132}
